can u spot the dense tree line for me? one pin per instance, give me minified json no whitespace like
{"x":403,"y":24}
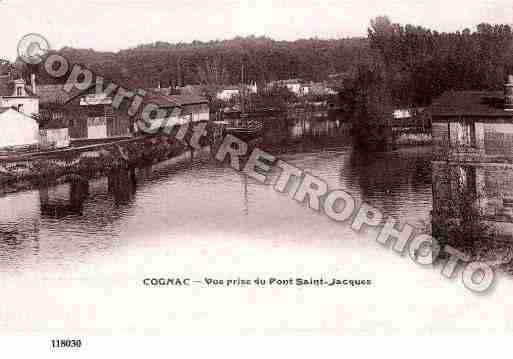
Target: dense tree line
{"x":409,"y":66}
{"x":181,"y":64}
{"x":420,"y":64}
{"x":415,"y":63}
{"x":395,"y":66}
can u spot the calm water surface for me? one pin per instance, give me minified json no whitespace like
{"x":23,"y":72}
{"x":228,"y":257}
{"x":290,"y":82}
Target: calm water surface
{"x":76,"y":254}
{"x":65,"y":225}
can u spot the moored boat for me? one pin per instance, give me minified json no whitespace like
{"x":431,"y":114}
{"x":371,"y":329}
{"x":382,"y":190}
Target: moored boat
{"x":246,"y":133}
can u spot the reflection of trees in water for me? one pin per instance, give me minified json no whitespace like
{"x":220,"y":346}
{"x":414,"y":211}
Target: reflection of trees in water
{"x":467,"y":214}
{"x":302,"y":134}
{"x":386,"y":176}
{"x":122,"y":186}
{"x":65,"y":199}
{"x":68,"y":199}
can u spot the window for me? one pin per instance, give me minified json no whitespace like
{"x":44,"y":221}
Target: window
{"x":20,"y":108}
{"x":470,"y":180}
{"x":57,"y":115}
{"x":19,"y":91}
{"x":467,"y":134}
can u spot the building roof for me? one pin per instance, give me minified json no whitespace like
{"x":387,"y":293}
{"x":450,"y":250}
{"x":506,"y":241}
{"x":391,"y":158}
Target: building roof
{"x":56,"y":94}
{"x":7,"y":87}
{"x":291,"y":81}
{"x":230,"y":88}
{"x":188,"y":99}
{"x":470,"y":103}
{"x":5,"y":109}
{"x":54,"y":124}
{"x":174,"y":100}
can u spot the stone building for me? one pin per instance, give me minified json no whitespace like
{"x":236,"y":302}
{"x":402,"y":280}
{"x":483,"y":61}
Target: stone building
{"x":18,"y":95}
{"x":473,"y":158}
{"x":177,"y":109}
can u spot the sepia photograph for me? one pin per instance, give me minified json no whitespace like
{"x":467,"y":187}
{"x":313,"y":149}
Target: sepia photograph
{"x":240,"y":168}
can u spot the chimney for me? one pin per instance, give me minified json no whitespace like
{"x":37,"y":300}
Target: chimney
{"x":33,"y":83}
{"x":508,"y":94}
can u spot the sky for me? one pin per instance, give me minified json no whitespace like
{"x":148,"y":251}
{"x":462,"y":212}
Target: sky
{"x":111,"y":25}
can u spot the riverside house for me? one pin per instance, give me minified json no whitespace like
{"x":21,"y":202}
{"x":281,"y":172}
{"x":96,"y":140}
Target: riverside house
{"x":18,"y":95}
{"x":228,"y":92}
{"x":89,"y":117}
{"x":296,"y":86}
{"x":81,"y":116}
{"x":19,"y":107}
{"x":473,"y":156}
{"x":178,"y":109}
{"x":474,"y":126}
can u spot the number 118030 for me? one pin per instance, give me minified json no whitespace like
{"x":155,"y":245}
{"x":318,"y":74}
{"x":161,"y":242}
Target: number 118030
{"x":66,"y":343}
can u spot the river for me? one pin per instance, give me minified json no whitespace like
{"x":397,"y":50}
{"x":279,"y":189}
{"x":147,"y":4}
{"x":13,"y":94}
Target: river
{"x":73,"y":257}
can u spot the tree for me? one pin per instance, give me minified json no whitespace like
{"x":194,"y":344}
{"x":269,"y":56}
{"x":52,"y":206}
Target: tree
{"x":212,"y":76}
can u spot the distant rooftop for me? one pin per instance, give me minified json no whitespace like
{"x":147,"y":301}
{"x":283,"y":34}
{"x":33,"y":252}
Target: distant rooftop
{"x":174,"y":100}
{"x":287,"y":82}
{"x":230,"y":87}
{"x":55,"y":93}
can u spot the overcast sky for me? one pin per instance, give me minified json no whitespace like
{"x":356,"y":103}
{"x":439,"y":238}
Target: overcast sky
{"x":113,"y":24}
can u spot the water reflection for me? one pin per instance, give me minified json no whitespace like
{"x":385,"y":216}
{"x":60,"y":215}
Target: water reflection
{"x":286,"y":134}
{"x":75,"y":217}
{"x":473,"y":210}
{"x":187,"y":197}
{"x":396,"y":182}
{"x":68,"y":199}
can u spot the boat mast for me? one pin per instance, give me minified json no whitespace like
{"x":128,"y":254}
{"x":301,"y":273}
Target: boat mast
{"x":242,"y":88}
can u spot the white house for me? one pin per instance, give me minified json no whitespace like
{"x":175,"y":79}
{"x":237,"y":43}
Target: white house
{"x":253,"y":88}
{"x":228,"y":92}
{"x":402,"y":113}
{"x":18,"y":129}
{"x":295,"y":86}
{"x":304,"y":90}
{"x":18,"y":95}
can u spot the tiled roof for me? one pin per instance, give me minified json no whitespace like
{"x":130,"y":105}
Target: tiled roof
{"x":470,"y":103}
{"x":54,"y":123}
{"x":173,"y":100}
{"x":55,"y":93}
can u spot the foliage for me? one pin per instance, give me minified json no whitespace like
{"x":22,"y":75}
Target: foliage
{"x":181,"y":64}
{"x":421,"y":64}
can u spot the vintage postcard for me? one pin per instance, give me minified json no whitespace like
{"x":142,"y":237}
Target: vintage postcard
{"x":249,"y":168}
